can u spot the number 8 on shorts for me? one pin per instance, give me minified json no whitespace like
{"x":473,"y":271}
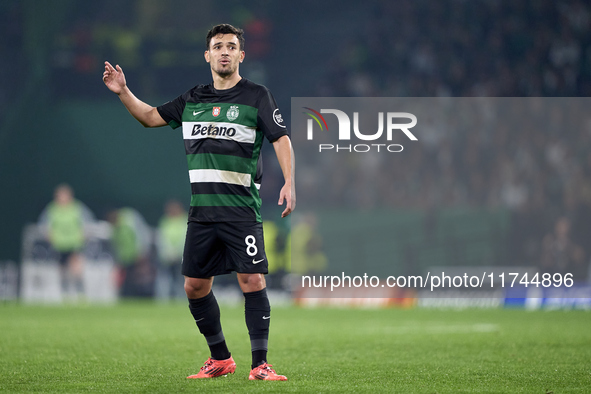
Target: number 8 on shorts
{"x":251,"y":248}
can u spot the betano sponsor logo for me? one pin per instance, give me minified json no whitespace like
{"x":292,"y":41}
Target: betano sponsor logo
{"x":219,"y":130}
{"x":344,"y":130}
{"x":213,"y":130}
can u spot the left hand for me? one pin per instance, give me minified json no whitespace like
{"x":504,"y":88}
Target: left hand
{"x":288,"y":195}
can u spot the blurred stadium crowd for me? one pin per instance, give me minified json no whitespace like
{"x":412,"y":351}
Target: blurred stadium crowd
{"x":403,"y":48}
{"x":466,"y":48}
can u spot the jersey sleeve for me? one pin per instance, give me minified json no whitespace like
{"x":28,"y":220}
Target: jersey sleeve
{"x":172,"y":111}
{"x":269,"y":119}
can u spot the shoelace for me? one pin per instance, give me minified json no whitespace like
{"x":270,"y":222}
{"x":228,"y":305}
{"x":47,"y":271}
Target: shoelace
{"x":208,"y":363}
{"x":266,"y":366}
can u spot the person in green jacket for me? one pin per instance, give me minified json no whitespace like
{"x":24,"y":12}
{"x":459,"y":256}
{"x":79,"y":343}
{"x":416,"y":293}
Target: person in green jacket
{"x":63,"y":222}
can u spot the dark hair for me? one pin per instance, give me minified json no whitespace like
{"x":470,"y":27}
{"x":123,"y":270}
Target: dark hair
{"x":225,"y":29}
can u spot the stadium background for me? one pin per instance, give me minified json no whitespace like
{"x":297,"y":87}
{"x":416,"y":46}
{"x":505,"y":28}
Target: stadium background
{"x":60,"y":124}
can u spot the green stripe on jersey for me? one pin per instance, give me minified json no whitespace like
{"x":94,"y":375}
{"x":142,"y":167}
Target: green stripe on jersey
{"x":221,"y":112}
{"x":202,"y":161}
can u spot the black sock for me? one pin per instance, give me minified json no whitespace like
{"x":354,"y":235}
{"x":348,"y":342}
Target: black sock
{"x":258,"y":357}
{"x":206,"y":313}
{"x":258,"y":316}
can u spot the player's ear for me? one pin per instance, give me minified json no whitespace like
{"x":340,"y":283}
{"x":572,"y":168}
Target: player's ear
{"x":242,"y":54}
{"x":206,"y":55}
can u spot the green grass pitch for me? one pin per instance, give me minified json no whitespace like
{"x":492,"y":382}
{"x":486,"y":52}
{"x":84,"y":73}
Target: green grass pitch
{"x":150,"y":348}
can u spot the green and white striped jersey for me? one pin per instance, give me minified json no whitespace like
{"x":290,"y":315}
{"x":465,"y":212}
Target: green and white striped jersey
{"x":223,"y":131}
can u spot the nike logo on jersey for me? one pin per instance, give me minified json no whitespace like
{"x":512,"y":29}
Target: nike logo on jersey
{"x":195,"y":113}
{"x":256,"y":261}
{"x":266,"y":317}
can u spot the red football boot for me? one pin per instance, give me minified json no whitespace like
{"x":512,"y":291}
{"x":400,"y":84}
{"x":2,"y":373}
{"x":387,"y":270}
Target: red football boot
{"x":214,"y":368}
{"x":265,"y":372}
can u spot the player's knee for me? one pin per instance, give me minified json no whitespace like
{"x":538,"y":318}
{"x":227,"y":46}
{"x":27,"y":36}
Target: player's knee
{"x":252,"y":282}
{"x":197,"y":288}
{"x":188,"y":288}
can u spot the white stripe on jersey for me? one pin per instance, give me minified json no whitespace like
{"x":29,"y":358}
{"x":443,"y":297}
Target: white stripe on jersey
{"x":219,"y":130}
{"x":236,"y":178}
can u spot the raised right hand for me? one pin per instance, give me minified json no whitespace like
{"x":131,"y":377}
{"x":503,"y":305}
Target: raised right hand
{"x":114,"y":78}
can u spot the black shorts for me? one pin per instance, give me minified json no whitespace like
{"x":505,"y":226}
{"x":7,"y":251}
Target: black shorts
{"x":64,"y":257}
{"x":219,"y":248}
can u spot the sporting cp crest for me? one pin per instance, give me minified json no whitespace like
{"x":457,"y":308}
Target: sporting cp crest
{"x":216,"y":111}
{"x":233,"y":112}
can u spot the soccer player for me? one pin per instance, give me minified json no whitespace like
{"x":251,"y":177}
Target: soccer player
{"x":223,"y":126}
